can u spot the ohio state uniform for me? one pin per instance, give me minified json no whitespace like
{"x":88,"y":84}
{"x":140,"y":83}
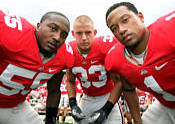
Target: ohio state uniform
{"x":143,"y":97}
{"x":156,"y":74}
{"x":63,"y":88}
{"x":21,"y":69}
{"x":78,"y":87}
{"x":95,"y":81}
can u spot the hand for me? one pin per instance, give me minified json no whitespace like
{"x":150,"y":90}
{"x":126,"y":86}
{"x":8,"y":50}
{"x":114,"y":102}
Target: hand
{"x":77,"y":113}
{"x":51,"y":115}
{"x":97,"y":117}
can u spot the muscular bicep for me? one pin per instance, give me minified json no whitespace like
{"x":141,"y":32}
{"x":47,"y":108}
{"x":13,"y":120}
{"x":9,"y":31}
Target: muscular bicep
{"x":115,"y":77}
{"x":54,"y":83}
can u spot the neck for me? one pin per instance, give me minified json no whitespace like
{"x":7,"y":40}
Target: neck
{"x":142,"y":45}
{"x":83,"y":51}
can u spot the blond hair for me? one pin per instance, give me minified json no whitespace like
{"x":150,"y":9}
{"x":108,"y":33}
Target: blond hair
{"x":83,"y":19}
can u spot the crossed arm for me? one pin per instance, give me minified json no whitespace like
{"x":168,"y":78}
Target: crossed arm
{"x":132,"y":100}
{"x":53,"y":98}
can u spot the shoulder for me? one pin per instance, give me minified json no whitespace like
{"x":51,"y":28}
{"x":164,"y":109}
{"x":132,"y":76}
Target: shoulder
{"x":164,"y":23}
{"x":73,"y":44}
{"x":18,"y":28}
{"x":14,"y":22}
{"x":104,"y":43}
{"x":107,"y":39}
{"x":163,"y":29}
{"x":66,"y":53}
{"x":113,"y":56}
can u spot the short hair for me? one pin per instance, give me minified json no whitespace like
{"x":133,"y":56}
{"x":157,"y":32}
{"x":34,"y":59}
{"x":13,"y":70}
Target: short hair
{"x":46,"y":15}
{"x":83,"y":19}
{"x":129,"y":5}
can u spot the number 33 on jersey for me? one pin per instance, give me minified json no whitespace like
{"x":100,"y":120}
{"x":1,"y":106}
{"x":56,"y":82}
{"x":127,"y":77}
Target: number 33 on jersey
{"x":90,"y":71}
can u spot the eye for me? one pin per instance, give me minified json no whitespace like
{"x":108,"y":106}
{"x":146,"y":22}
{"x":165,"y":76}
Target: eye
{"x":125,"y":20}
{"x":53,"y":28}
{"x":88,"y":32}
{"x":64,"y":35}
{"x":79,"y":33}
{"x":114,"y":28}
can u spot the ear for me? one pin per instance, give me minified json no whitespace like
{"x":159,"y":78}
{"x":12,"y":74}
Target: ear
{"x":73,"y":33}
{"x":140,"y":15}
{"x":95,"y":31}
{"x":38,"y":26}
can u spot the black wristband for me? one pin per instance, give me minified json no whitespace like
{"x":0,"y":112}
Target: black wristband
{"x":72,"y":101}
{"x":128,"y":90}
{"x":108,"y":107}
{"x":51,"y":114}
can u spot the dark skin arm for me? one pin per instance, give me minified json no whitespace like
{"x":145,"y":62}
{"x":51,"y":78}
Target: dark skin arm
{"x":53,"y":88}
{"x":115,"y":93}
{"x":132,"y":100}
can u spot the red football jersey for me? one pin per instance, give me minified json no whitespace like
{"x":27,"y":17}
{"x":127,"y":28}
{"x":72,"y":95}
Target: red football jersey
{"x":95,"y":81}
{"x":78,"y":88}
{"x":143,"y":97}
{"x":21,"y":68}
{"x":63,"y":87}
{"x":157,"y":73}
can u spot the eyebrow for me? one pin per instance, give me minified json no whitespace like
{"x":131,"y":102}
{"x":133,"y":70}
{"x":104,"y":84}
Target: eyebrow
{"x":124,"y":16}
{"x":57,"y":26}
{"x":53,"y":24}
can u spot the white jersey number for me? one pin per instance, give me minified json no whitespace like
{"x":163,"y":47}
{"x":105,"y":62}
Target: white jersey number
{"x":107,"y":38}
{"x":92,"y":70}
{"x":170,"y":17}
{"x":12,"y":20}
{"x":69,"y":48}
{"x":15,"y":87}
{"x":150,"y":82}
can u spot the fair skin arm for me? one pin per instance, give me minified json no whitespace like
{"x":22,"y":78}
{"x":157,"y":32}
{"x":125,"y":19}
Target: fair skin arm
{"x":148,"y":102}
{"x":132,"y":101}
{"x":53,"y":87}
{"x":115,"y":93}
{"x":71,"y":84}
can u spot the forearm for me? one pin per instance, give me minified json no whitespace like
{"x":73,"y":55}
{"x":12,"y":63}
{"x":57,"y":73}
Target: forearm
{"x":71,"y":84}
{"x":133,"y":104}
{"x":53,"y":99}
{"x":71,"y":89}
{"x":132,"y":100}
{"x":116,"y":91}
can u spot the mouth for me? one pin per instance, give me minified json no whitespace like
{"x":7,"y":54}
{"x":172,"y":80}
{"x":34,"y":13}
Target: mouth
{"x":127,"y":38}
{"x":52,"y":45}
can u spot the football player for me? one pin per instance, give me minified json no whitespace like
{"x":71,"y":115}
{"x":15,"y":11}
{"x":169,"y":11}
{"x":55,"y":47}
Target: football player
{"x":99,"y":101}
{"x":145,"y":58}
{"x":30,"y":57}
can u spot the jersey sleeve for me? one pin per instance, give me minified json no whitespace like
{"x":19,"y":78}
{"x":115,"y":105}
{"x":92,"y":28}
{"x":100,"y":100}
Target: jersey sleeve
{"x":2,"y":28}
{"x":69,"y":56}
{"x":166,"y":27}
{"x":106,"y":42}
{"x":109,"y":60}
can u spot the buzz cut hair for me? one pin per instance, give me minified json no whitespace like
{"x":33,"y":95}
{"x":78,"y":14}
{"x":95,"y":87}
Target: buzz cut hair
{"x":47,"y":15}
{"x":83,"y":19}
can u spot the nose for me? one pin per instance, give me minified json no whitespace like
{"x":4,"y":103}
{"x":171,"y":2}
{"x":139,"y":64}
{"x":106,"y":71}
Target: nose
{"x":122,"y":30}
{"x":56,"y":36}
{"x":84,"y":36}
